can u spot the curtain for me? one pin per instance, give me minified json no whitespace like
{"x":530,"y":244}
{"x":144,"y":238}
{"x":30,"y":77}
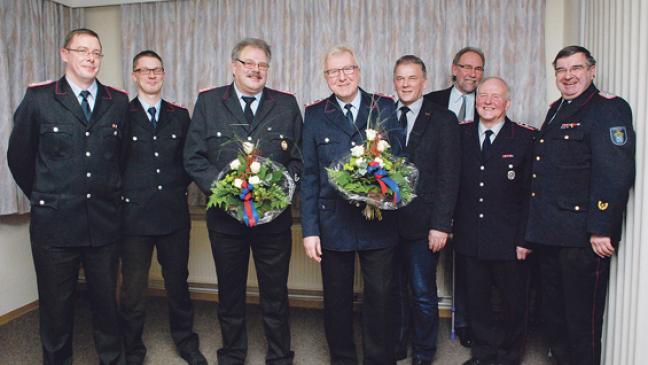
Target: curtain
{"x":31,"y":33}
{"x":195,"y":38}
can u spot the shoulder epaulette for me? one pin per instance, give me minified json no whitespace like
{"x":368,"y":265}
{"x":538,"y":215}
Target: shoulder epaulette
{"x":316,"y":101}
{"x":384,"y":95}
{"x":42,"y":83}
{"x":607,"y":95}
{"x":200,"y":91}
{"x":116,"y":89}
{"x":464,"y":122}
{"x":177,"y":105}
{"x":526,"y":126}
{"x":284,"y":92}
{"x":553,"y":103}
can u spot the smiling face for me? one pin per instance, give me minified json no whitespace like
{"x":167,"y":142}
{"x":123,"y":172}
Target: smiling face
{"x":147,"y":76}
{"x":492,"y":101}
{"x":343,"y":85}
{"x":250,"y":81}
{"x":468,"y":72}
{"x":81,"y":66}
{"x":573,"y":75}
{"x":409,"y":82}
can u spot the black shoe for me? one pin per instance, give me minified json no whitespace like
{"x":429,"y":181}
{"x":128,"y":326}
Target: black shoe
{"x":193,"y":357}
{"x":400,"y":355}
{"x":417,"y":361}
{"x":476,"y":361}
{"x":465,"y":336}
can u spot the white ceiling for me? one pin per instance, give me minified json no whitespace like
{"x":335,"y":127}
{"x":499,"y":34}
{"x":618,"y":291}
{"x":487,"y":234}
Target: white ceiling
{"x":92,"y":3}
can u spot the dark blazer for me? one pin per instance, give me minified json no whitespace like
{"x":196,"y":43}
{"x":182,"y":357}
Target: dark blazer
{"x":442,"y":98}
{"x":69,"y":167}
{"x":490,"y":220}
{"x":584,"y":167}
{"x":327,"y":138}
{"x":155,"y":182}
{"x":218,"y":123}
{"x":435,"y":150}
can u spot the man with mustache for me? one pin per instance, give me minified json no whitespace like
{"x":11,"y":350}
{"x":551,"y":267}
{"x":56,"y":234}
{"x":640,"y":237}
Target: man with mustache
{"x":584,"y":165}
{"x":247,"y":110}
{"x":467,"y":72}
{"x":65,"y":153}
{"x":336,"y":231}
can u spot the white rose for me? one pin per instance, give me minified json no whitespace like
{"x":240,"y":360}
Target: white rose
{"x":379,"y":161}
{"x":248,"y":147}
{"x":357,"y":151}
{"x":382,"y":145}
{"x":234,"y":165}
{"x":238,"y":183}
{"x":360,"y":161}
{"x":371,"y":134}
{"x":254,"y":180}
{"x":255,"y":167}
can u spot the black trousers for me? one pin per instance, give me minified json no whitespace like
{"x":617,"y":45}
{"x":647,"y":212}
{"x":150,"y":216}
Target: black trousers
{"x":377,"y":305}
{"x":503,"y":341}
{"x":574,"y":287}
{"x":271,"y":254}
{"x":57,"y":273}
{"x":173,"y":256}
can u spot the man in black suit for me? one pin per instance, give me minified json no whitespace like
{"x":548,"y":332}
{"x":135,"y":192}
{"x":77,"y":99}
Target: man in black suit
{"x":431,"y":136}
{"x":247,"y":110}
{"x":467,"y":72}
{"x":490,"y":221}
{"x":583,"y":167}
{"x":65,"y":153}
{"x":155,"y":212}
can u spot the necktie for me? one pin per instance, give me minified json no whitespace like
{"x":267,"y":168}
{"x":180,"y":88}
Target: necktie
{"x":557,"y":110}
{"x":349,"y":115}
{"x":402,"y":123}
{"x":151,"y":112}
{"x":249,"y":116}
{"x":85,"y":106}
{"x":486,"y":145}
{"x":462,"y":111}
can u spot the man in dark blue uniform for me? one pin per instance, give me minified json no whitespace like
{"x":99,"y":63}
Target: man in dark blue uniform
{"x":432,"y":143}
{"x":247,"y":110}
{"x":583,"y":169}
{"x":65,"y":153}
{"x":489,"y":224}
{"x":334,"y":230}
{"x":155,"y":212}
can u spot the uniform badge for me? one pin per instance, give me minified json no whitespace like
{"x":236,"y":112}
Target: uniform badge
{"x":602,"y":205}
{"x":569,"y":125}
{"x":284,"y":145}
{"x":114,"y":126}
{"x":510,"y":175}
{"x":618,"y":135}
{"x":508,"y":155}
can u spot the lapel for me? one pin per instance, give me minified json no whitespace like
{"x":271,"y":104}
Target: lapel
{"x":233,"y":105}
{"x":64,"y":95}
{"x":503,"y":137}
{"x":266,"y":104}
{"x":423,"y":120}
{"x":102,"y":104}
{"x":368,"y":112}
{"x":568,"y":110}
{"x":166,"y":115}
{"x":335,"y":117}
{"x":139,"y":115}
{"x":473,"y":148}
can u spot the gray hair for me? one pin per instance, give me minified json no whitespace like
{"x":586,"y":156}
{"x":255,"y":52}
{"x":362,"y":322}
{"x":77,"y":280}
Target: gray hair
{"x":251,"y":42}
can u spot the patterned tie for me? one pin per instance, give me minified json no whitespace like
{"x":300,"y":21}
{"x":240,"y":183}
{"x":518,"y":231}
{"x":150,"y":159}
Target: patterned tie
{"x":249,"y":116}
{"x":85,"y":106}
{"x":349,"y":115}
{"x":486,"y":145}
{"x":402,"y":123}
{"x":151,"y":112}
{"x":462,"y":111}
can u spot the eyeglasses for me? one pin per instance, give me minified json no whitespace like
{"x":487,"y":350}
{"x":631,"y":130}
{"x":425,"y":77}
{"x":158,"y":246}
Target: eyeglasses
{"x":86,"y":52}
{"x":470,"y":68}
{"x":251,"y":65}
{"x":335,"y":72}
{"x":147,"y":71}
{"x":560,"y":71}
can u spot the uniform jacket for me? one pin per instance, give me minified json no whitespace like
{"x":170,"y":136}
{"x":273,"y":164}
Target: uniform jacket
{"x":435,"y":150}
{"x":490,"y":218}
{"x":584,"y":165}
{"x":155,"y":182}
{"x":70,"y":168}
{"x":442,"y":98}
{"x":327,"y":138}
{"x":218,"y":123}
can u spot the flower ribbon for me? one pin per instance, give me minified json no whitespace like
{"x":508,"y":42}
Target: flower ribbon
{"x":384,"y":180}
{"x":251,"y":217}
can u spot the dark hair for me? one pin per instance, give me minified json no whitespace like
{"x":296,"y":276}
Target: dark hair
{"x":79,"y":31}
{"x":252,"y":42}
{"x":411,"y":59}
{"x":572,"y":50}
{"x":146,"y":53}
{"x":463,"y":51}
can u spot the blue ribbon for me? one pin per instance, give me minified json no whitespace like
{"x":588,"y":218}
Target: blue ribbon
{"x":248,"y":202}
{"x":382,"y":176}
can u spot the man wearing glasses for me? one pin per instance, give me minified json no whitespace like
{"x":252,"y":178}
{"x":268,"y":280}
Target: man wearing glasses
{"x":65,"y":153}
{"x":247,"y":111}
{"x":155,"y":212}
{"x":336,"y":231}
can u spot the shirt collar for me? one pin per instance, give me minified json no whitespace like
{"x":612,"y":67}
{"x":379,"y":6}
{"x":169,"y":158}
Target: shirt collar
{"x":355,"y":102}
{"x":415,"y":107}
{"x":77,"y":90}
{"x":146,"y":107}
{"x":455,"y":95}
{"x":240,"y":95}
{"x":495,"y":129}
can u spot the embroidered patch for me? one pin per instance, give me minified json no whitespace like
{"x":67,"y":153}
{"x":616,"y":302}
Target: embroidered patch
{"x":618,"y":135}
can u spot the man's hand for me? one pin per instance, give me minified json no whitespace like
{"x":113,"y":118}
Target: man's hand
{"x":602,"y":246}
{"x":522,"y":253}
{"x":313,"y":248}
{"x":437,"y":240}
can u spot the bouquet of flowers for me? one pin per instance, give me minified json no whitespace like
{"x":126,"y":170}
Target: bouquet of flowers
{"x":252,"y":189}
{"x":370,"y":174}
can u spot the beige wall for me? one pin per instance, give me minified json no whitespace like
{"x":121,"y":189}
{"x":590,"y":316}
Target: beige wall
{"x":17,"y":276}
